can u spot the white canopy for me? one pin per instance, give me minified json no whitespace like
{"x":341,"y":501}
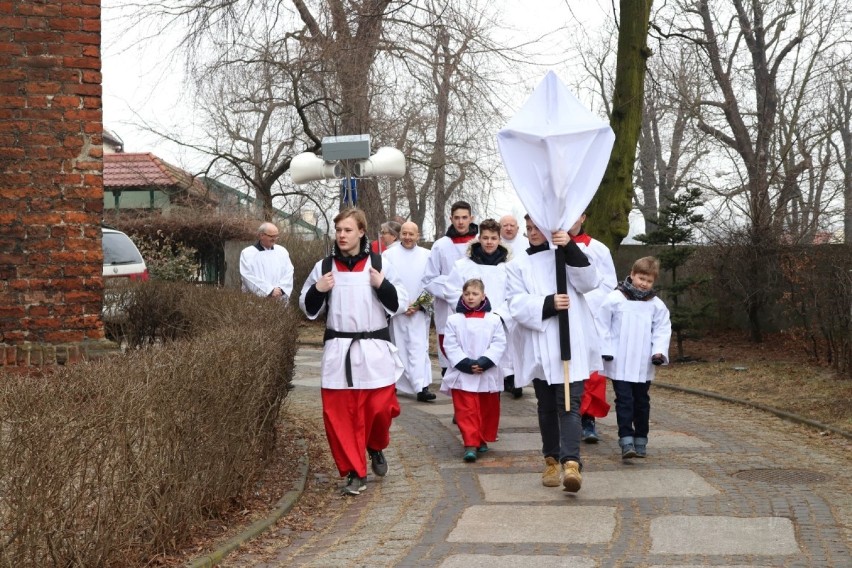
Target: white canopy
{"x":555,"y":151}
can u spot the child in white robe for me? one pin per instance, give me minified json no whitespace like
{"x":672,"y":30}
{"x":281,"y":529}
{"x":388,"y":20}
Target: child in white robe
{"x":635,"y":336}
{"x":474,"y":342}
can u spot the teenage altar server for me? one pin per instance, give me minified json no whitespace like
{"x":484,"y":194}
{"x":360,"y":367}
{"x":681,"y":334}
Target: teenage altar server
{"x":360,"y":365}
{"x":535,"y":304}
{"x":410,"y":329}
{"x":445,"y":252}
{"x":265,"y":267}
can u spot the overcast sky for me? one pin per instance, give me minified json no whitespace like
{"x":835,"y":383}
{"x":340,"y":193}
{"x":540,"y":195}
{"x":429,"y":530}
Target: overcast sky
{"x":142,"y":79}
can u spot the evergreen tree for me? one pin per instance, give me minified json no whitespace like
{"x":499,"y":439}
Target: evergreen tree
{"x":675,"y":230}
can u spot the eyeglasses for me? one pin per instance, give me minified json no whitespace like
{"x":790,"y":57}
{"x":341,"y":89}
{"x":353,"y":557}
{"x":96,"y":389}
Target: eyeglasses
{"x":270,"y":236}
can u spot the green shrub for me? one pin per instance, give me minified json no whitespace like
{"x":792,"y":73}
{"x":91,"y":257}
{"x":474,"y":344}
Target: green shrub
{"x":168,"y":259}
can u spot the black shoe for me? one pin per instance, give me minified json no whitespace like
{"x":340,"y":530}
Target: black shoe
{"x":425,"y":395}
{"x":517,"y":392}
{"x":354,"y":484}
{"x":378,"y":462}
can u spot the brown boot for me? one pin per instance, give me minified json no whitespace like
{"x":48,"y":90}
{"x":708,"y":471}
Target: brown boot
{"x":571,"y":477}
{"x":550,"y":477}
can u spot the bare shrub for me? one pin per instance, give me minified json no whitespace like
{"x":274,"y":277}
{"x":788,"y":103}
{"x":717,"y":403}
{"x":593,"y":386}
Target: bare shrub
{"x":817,"y":298}
{"x":111,"y":462}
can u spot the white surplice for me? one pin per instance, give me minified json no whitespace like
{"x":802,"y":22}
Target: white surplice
{"x":473,"y":337}
{"x":632,"y":332}
{"x":411,"y":333}
{"x":353,"y":306}
{"x":261,"y":271}
{"x":530,"y":279}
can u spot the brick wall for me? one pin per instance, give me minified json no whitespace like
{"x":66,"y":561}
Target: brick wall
{"x":51,"y":188}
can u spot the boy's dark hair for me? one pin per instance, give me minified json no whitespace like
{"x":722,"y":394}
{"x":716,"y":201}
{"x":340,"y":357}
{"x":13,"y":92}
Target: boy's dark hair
{"x":489,"y":225}
{"x":647,"y":265}
{"x":460,"y":205}
{"x":476,"y":282}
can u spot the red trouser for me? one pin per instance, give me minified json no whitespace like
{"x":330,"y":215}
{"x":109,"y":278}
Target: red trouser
{"x":357,"y":419}
{"x":477,"y":415}
{"x":594,"y":397}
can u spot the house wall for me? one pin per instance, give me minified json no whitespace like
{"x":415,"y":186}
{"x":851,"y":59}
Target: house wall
{"x":51,"y":190}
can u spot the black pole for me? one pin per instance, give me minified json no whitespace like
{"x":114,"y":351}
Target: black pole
{"x":562,"y":288}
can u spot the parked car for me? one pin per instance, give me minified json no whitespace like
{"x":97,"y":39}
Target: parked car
{"x":121,"y":257}
{"x":123,"y":263}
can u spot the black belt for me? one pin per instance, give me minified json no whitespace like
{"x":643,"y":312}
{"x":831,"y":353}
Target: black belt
{"x":383,"y":333}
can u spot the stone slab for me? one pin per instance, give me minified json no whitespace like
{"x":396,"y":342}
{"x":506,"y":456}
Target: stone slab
{"x":525,"y":487}
{"x":515,"y":560}
{"x":304,"y":380}
{"x":519,"y":422}
{"x":436,"y":408}
{"x":717,"y":535}
{"x":531,"y":524}
{"x":668,"y":439}
{"x":514,"y":441}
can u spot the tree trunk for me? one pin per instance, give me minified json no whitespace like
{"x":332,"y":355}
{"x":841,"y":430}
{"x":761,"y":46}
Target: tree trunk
{"x":609,"y":210}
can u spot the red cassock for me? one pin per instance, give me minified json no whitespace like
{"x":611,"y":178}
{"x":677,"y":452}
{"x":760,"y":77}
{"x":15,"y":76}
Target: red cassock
{"x":594,"y":397}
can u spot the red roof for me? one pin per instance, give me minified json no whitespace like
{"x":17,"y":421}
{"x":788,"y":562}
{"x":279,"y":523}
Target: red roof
{"x":143,"y":170}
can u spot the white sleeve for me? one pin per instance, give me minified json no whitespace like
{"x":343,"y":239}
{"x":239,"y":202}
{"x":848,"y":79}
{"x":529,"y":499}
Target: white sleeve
{"x":452,"y":346}
{"x":313,"y":277}
{"x":525,"y":308}
{"x":661,"y":330}
{"x":286,"y":280}
{"x":251,"y":282}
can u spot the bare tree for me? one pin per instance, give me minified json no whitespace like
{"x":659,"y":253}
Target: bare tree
{"x":609,"y":209}
{"x":840,"y":108}
{"x":763,"y":60}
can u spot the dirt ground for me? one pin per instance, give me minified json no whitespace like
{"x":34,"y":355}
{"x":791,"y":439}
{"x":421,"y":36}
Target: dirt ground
{"x":777,"y":373}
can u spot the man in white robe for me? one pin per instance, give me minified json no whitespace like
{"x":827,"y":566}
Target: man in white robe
{"x":445,"y":252}
{"x":265,"y":267}
{"x":410,"y":329}
{"x":511,"y":237}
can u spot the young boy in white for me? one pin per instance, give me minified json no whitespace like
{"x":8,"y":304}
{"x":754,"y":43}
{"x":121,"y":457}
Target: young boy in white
{"x":636,"y":332}
{"x":474,"y":341}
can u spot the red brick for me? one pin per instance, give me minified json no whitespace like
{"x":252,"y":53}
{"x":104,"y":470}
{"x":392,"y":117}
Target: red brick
{"x":42,"y":219}
{"x":73,"y":336}
{"x":82,"y":62}
{"x":32,"y":9}
{"x":12,"y":22}
{"x":76,"y":11}
{"x":68,"y":257}
{"x":68,"y":24}
{"x":27,"y":36}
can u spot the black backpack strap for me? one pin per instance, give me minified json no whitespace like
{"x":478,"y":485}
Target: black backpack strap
{"x":376,"y":261}
{"x":326,"y":265}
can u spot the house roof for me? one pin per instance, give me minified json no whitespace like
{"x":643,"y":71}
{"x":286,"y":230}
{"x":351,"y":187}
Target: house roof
{"x":143,"y":170}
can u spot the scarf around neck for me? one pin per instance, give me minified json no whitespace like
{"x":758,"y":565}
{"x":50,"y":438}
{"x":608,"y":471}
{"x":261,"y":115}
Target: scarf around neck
{"x":479,"y":256}
{"x":477,"y":312}
{"x":631,"y":292}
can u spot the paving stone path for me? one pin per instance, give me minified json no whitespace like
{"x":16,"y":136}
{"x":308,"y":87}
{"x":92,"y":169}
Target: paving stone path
{"x":722,"y":486}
